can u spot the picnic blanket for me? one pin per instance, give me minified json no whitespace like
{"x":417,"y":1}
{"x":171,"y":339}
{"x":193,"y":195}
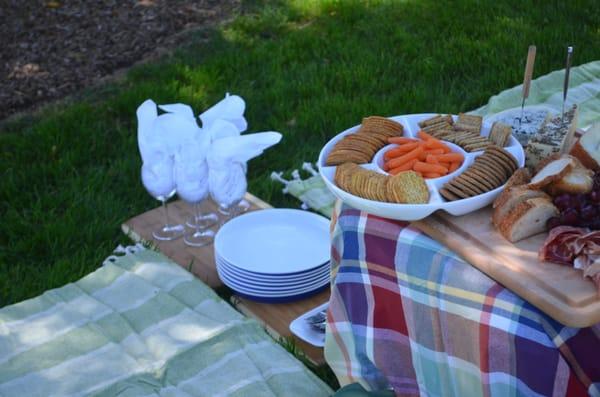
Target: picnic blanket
{"x":142,"y":326}
{"x":408,"y":314}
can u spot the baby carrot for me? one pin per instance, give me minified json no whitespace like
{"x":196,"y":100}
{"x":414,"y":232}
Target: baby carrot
{"x":400,"y":150}
{"x":450,"y":157}
{"x":400,"y":140}
{"x":444,"y":164}
{"x":433,"y":143}
{"x":426,"y":167}
{"x":424,"y":136}
{"x":413,"y":154}
{"x":454,"y":166}
{"x":431,"y":159}
{"x":404,"y":167}
{"x":431,"y":175}
{"x":434,"y":151}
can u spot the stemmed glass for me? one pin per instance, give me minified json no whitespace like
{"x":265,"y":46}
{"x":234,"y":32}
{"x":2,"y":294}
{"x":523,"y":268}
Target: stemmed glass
{"x":157,"y":178}
{"x":227,"y":188}
{"x":192,"y":186}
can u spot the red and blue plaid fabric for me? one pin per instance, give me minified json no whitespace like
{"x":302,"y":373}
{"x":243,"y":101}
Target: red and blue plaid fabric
{"x":408,"y":314}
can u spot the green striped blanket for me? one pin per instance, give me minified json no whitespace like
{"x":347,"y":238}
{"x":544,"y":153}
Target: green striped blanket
{"x":141,"y":326}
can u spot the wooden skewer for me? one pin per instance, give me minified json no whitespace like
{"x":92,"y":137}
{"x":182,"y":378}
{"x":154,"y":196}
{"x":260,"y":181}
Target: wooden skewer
{"x":527,"y":77}
{"x":566,"y":83}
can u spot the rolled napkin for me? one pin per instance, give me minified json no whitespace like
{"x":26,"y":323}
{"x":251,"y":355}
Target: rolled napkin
{"x":165,"y":134}
{"x":230,"y":109}
{"x":191,"y":180}
{"x":226,"y":162}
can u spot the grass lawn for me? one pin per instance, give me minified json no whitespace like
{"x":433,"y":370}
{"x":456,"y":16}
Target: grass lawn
{"x":309,"y":69}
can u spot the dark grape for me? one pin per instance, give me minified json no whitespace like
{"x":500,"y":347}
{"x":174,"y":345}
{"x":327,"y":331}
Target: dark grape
{"x":597,"y":181}
{"x":569,"y":217}
{"x":563,"y":201}
{"x":595,"y":196}
{"x":588,"y":212}
{"x":553,"y":222}
{"x":579,"y":201}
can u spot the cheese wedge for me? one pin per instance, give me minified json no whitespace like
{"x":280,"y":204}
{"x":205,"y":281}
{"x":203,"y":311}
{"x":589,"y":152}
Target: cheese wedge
{"x":555,"y":136}
{"x":587,"y":148}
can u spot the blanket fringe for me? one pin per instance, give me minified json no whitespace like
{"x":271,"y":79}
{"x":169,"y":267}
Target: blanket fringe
{"x":128,"y":250}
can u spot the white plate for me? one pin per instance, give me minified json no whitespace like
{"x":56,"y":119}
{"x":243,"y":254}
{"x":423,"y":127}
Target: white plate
{"x":269,"y":285}
{"x":275,"y":241}
{"x":411,"y":212}
{"x":272,"y":293}
{"x":295,"y":278}
{"x":304,"y":331}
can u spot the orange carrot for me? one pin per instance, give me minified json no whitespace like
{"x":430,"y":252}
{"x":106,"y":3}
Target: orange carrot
{"x":400,"y":150}
{"x":450,"y":157}
{"x":434,"y":151}
{"x":444,"y":164}
{"x":426,"y":167}
{"x":385,"y":167}
{"x":431,"y":175}
{"x":404,"y":167}
{"x":413,"y":154}
{"x":400,"y":140}
{"x":454,"y":166}
{"x":433,"y":143}
{"x":432,"y":159}
{"x":424,"y":136}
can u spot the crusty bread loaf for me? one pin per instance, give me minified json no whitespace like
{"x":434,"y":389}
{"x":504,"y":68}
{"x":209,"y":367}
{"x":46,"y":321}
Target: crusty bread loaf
{"x":510,"y":199}
{"x":587,"y":148}
{"x":527,"y":219}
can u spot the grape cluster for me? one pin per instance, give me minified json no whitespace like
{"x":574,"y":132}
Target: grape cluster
{"x":581,"y":210}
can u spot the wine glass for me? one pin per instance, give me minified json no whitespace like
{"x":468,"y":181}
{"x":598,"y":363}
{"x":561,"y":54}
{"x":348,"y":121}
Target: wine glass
{"x":157,"y":178}
{"x":242,"y":206}
{"x":191,"y":178}
{"x":227,"y":188}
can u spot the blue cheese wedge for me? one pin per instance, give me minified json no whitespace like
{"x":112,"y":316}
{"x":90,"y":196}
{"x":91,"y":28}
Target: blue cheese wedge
{"x":555,"y":136}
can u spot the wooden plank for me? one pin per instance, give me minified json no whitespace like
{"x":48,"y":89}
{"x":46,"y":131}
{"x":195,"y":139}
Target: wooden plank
{"x":200,"y":261}
{"x":277,"y":318}
{"x":559,"y":291}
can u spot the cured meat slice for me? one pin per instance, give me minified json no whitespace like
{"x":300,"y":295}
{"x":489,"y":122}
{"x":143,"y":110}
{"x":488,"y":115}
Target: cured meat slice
{"x":561,"y":245}
{"x":589,"y":243}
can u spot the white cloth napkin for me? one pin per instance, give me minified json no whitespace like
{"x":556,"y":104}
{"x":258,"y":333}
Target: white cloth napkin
{"x":231,"y":109}
{"x":226,"y":162}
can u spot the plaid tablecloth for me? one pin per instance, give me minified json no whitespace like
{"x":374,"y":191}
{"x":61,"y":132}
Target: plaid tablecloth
{"x":407,"y":313}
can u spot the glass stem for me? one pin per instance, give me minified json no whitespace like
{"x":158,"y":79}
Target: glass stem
{"x":197,"y":216}
{"x":166,"y":211}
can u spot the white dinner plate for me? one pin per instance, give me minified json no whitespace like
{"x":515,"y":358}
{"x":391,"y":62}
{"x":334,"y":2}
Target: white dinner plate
{"x":298,"y":277}
{"x":269,"y":286}
{"x":275,"y":241}
{"x":411,"y":212}
{"x":271,"y":293}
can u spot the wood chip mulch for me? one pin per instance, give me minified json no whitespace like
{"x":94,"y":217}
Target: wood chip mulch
{"x":49,"y":49}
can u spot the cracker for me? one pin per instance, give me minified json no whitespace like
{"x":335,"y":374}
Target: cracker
{"x":448,"y":195}
{"x":500,"y":134}
{"x":407,"y":187}
{"x":435,"y":120}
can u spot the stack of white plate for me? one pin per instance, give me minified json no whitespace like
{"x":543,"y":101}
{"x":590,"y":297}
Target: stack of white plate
{"x":274,"y":255}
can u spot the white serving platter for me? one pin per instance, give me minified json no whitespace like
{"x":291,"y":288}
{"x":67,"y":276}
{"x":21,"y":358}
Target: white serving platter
{"x":411,"y":212}
{"x":275,"y":241}
{"x":304,"y":331}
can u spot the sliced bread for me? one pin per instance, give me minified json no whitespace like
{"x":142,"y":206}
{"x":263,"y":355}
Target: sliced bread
{"x":578,"y":180}
{"x":552,"y":171}
{"x":510,"y":199}
{"x":587,"y":148}
{"x":527,"y":219}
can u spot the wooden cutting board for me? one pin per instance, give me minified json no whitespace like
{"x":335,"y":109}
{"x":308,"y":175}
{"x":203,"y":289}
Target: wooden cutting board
{"x":559,"y":291}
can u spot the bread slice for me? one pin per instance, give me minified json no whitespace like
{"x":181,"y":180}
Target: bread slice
{"x":578,"y":180}
{"x":587,"y":148}
{"x":511,"y":198}
{"x":521,"y":176}
{"x":552,"y":171}
{"x":527,"y":219}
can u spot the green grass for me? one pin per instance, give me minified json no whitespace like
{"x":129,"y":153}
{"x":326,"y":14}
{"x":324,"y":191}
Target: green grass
{"x":70,"y":175}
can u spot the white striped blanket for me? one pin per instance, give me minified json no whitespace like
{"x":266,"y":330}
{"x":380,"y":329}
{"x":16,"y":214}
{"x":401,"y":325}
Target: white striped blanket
{"x":141,"y":326}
